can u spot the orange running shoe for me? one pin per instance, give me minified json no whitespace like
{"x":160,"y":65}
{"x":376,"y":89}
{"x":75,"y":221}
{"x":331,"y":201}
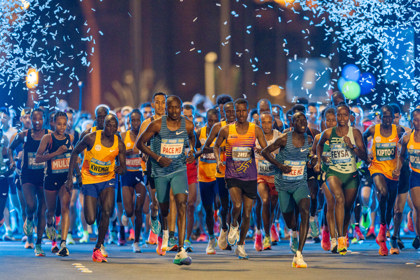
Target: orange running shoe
{"x":97,"y":256}
{"x":153,"y":238}
{"x":342,"y":248}
{"x":274,"y":234}
{"x":410,"y":224}
{"x":359,"y":234}
{"x":159,"y":247}
{"x":325,"y":242}
{"x":258,"y":242}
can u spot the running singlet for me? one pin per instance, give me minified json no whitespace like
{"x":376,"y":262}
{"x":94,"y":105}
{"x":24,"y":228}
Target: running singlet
{"x":170,"y":144}
{"x":264,"y":167}
{"x":30,"y":147}
{"x":383,"y":151}
{"x":133,"y":160}
{"x":58,"y":165}
{"x":343,"y":159}
{"x":326,"y":156}
{"x":413,"y":149}
{"x":222,"y":155}
{"x":99,"y":162}
{"x":240,"y":157}
{"x":207,"y":162}
{"x":296,"y":158}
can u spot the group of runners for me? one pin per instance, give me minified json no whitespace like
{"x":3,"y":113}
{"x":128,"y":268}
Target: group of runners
{"x":159,"y":162}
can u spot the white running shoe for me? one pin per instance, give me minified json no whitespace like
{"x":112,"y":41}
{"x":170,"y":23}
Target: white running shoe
{"x":70,"y":239}
{"x":222,"y":241}
{"x":182,"y":258}
{"x":298,"y":261}
{"x":85,"y":237}
{"x":103,"y":251}
{"x":136,"y":247}
{"x":211,"y":247}
{"x":334,"y":246}
{"x":165,"y":240}
{"x":240,"y":252}
{"x":233,"y":235}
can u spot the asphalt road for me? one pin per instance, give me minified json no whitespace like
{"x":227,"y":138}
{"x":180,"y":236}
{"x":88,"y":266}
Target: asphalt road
{"x":362,"y":262}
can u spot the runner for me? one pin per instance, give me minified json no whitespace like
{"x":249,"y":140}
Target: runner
{"x":207,"y":177}
{"x":98,"y":176}
{"x":5,"y":170}
{"x":342,"y":178}
{"x":241,"y":170}
{"x":229,"y":115}
{"x":159,"y":106}
{"x":382,"y":162}
{"x":32,"y":177}
{"x":55,"y":149}
{"x":267,"y":195}
{"x":291,"y":180}
{"x":132,"y":181}
{"x":168,"y":159}
{"x":410,"y":146}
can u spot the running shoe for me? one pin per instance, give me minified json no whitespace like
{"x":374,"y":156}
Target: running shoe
{"x":394,"y":246}
{"x":187,"y":245}
{"x":410,"y":224}
{"x":298,"y":261}
{"x":182,"y":258}
{"x":258,"y":246}
{"x":54,"y":247}
{"x":121,"y":241}
{"x":51,"y":232}
{"x":103,"y":251}
{"x":400,"y":243}
{"x":173,"y":245}
{"x":325,"y":242}
{"x":131,"y":236}
{"x":165,"y":241}
{"x":294,"y":244}
{"x":8,"y":236}
{"x":155,"y":226}
{"x":334,"y":246}
{"x":159,"y":250}
{"x":314,"y":229}
{"x":342,"y":248}
{"x":85,"y":237}
{"x":38,"y":251}
{"x":28,"y":227}
{"x":267,"y":243}
{"x":202,"y":238}
{"x":124,"y":220}
{"x":233,"y":235}
{"x":98,"y":256}
{"x":153,"y":238}
{"x":416,"y":242}
{"x":29,"y":245}
{"x":371,"y":233}
{"x":274,"y":234}
{"x":70,"y":239}
{"x":381,"y":235}
{"x":240,"y":252}
{"x":211,"y":247}
{"x":222,"y":241}
{"x":365,"y":219}
{"x":136,"y":247}
{"x":64,"y":252}
{"x":358,"y":234}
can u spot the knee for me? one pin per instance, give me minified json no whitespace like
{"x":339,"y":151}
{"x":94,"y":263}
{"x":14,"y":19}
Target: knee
{"x":129,"y":212}
{"x":237,"y":205}
{"x":339,"y":198}
{"x":304,"y":212}
{"x":265,"y":202}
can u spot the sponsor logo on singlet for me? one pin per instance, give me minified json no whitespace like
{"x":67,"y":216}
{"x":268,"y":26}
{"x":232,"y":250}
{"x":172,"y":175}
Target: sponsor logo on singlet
{"x":60,"y":164}
{"x":171,"y":148}
{"x":97,"y":167}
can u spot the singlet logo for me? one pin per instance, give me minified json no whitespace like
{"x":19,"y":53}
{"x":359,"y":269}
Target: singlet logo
{"x":60,"y":164}
{"x":128,"y":145}
{"x":171,"y":148}
{"x":98,"y":147}
{"x":97,"y":167}
{"x":340,"y":154}
{"x":385,"y":151}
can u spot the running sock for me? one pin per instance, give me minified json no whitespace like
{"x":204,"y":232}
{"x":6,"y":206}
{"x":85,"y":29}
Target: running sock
{"x":171,"y":234}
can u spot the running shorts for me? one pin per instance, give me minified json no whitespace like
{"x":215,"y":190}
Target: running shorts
{"x":176,"y":181}
{"x":192,"y":173}
{"x":348,"y":180}
{"x":131,"y":178}
{"x":249,"y":188}
{"x":288,"y":199}
{"x":414,"y":179}
{"x":94,"y":190}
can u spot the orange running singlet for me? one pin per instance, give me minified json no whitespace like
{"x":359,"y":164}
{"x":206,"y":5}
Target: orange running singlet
{"x":384,"y":150}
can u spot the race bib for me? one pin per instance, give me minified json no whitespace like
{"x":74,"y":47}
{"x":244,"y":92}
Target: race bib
{"x":171,"y":148}
{"x":97,"y":167}
{"x":340,"y":154}
{"x":414,"y":157}
{"x":241,"y":153}
{"x":298,"y":169}
{"x":208,"y":158}
{"x":385,"y":151}
{"x":60,"y":163}
{"x":265,"y":168}
{"x":32,"y":164}
{"x":133,"y":162}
